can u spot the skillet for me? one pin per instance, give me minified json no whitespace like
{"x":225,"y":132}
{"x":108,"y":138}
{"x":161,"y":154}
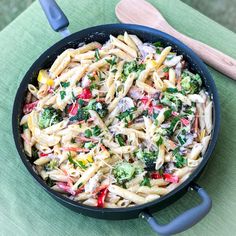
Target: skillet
{"x":101,"y":33}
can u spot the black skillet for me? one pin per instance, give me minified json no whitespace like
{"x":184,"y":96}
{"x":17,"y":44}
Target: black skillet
{"x":101,"y":33}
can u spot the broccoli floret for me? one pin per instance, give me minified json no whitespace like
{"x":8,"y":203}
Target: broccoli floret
{"x":49,"y":116}
{"x":124,"y":172}
{"x":100,"y":108}
{"x":171,"y":100}
{"x":148,"y":158}
{"x":190,"y":83}
{"x":130,"y":67}
{"x":51,"y":165}
{"x":82,"y":114}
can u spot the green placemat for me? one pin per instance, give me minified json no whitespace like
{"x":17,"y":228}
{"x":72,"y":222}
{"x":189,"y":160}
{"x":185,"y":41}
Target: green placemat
{"x":25,"y":209}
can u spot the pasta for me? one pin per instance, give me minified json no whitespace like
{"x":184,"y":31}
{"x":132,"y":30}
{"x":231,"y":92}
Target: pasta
{"x":118,"y":124}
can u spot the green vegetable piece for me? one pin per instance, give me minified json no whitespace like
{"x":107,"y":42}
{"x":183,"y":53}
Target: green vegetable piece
{"x":158,"y":44}
{"x":170,"y":130}
{"x":48,"y":117}
{"x":97,"y":55}
{"x":100,"y":108}
{"x":51,"y":165}
{"x":65,"y":84}
{"x":76,"y":163}
{"x":190,"y":83}
{"x":112,"y":61}
{"x":25,"y":126}
{"x":120,"y":140}
{"x":167,"y":114}
{"x":96,"y":130}
{"x":172,"y":90}
{"x":145,"y":182}
{"x":87,"y":133}
{"x":159,"y":141}
{"x":82,"y":114}
{"x":89,"y":145}
{"x":180,"y":160}
{"x":127,"y":115}
{"x":166,"y":69}
{"x":62,"y":94}
{"x":123,"y":172}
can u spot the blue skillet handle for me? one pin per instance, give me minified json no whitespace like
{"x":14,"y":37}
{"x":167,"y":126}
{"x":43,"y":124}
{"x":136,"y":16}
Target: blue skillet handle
{"x":54,"y":14}
{"x":186,"y":219}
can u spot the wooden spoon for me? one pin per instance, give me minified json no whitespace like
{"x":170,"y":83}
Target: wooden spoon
{"x":143,"y":13}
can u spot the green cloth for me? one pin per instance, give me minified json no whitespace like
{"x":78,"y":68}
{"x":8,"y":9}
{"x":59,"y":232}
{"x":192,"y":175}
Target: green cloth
{"x":26,"y":209}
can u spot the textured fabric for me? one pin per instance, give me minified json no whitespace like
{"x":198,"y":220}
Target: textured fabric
{"x":26,"y":209}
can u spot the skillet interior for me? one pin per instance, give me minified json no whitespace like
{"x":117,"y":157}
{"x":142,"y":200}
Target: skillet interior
{"x":101,"y":34}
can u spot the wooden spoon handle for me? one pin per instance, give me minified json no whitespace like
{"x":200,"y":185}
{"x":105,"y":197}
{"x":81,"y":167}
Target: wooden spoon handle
{"x":214,"y":58}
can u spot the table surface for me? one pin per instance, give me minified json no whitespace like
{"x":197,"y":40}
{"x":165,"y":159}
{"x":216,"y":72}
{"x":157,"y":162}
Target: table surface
{"x":26,"y":209}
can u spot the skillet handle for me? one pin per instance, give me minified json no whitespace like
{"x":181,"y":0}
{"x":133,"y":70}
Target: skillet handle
{"x":186,"y":219}
{"x":54,"y":14}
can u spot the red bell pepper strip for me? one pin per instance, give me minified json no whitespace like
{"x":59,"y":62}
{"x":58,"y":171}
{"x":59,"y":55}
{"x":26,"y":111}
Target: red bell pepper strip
{"x":86,"y":94}
{"x":41,"y":154}
{"x":144,"y":100}
{"x":73,"y":109}
{"x":185,"y":121}
{"x":155,"y":175}
{"x":101,"y":197}
{"x":29,"y":107}
{"x":170,"y":178}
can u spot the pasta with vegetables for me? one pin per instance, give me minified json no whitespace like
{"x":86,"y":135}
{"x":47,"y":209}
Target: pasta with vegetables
{"x":118,"y":124}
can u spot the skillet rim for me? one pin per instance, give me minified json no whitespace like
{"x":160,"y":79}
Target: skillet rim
{"x":121,"y":27}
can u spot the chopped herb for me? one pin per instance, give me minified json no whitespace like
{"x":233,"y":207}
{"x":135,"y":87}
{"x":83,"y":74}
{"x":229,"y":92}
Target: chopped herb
{"x":87,"y":133}
{"x":114,"y":71}
{"x":181,"y":139}
{"x":166,"y":69}
{"x":91,"y":77}
{"x":81,"y":102}
{"x":170,"y":130}
{"x":76,"y":163}
{"x":73,"y":96}
{"x":148,"y":157}
{"x":158,"y":51}
{"x":97,"y":55}
{"x":65,"y":84}
{"x":145,"y":182}
{"x":180,"y":160}
{"x":167,"y":114}
{"x":172,"y":90}
{"x":159,"y":141}
{"x":168,"y":58}
{"x":112,"y":61}
{"x":155,"y":115}
{"x":96,"y":130}
{"x":127,"y":116}
{"x":93,"y":86}
{"x":50,"y":182}
{"x":120,"y":140}
{"x":100,"y":108}
{"x":82,"y":114}
{"x":62,"y":94}
{"x":157,"y":44}
{"x":73,"y":140}
{"x":25,"y":126}
{"x":35,"y":154}
{"x":145,"y":113}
